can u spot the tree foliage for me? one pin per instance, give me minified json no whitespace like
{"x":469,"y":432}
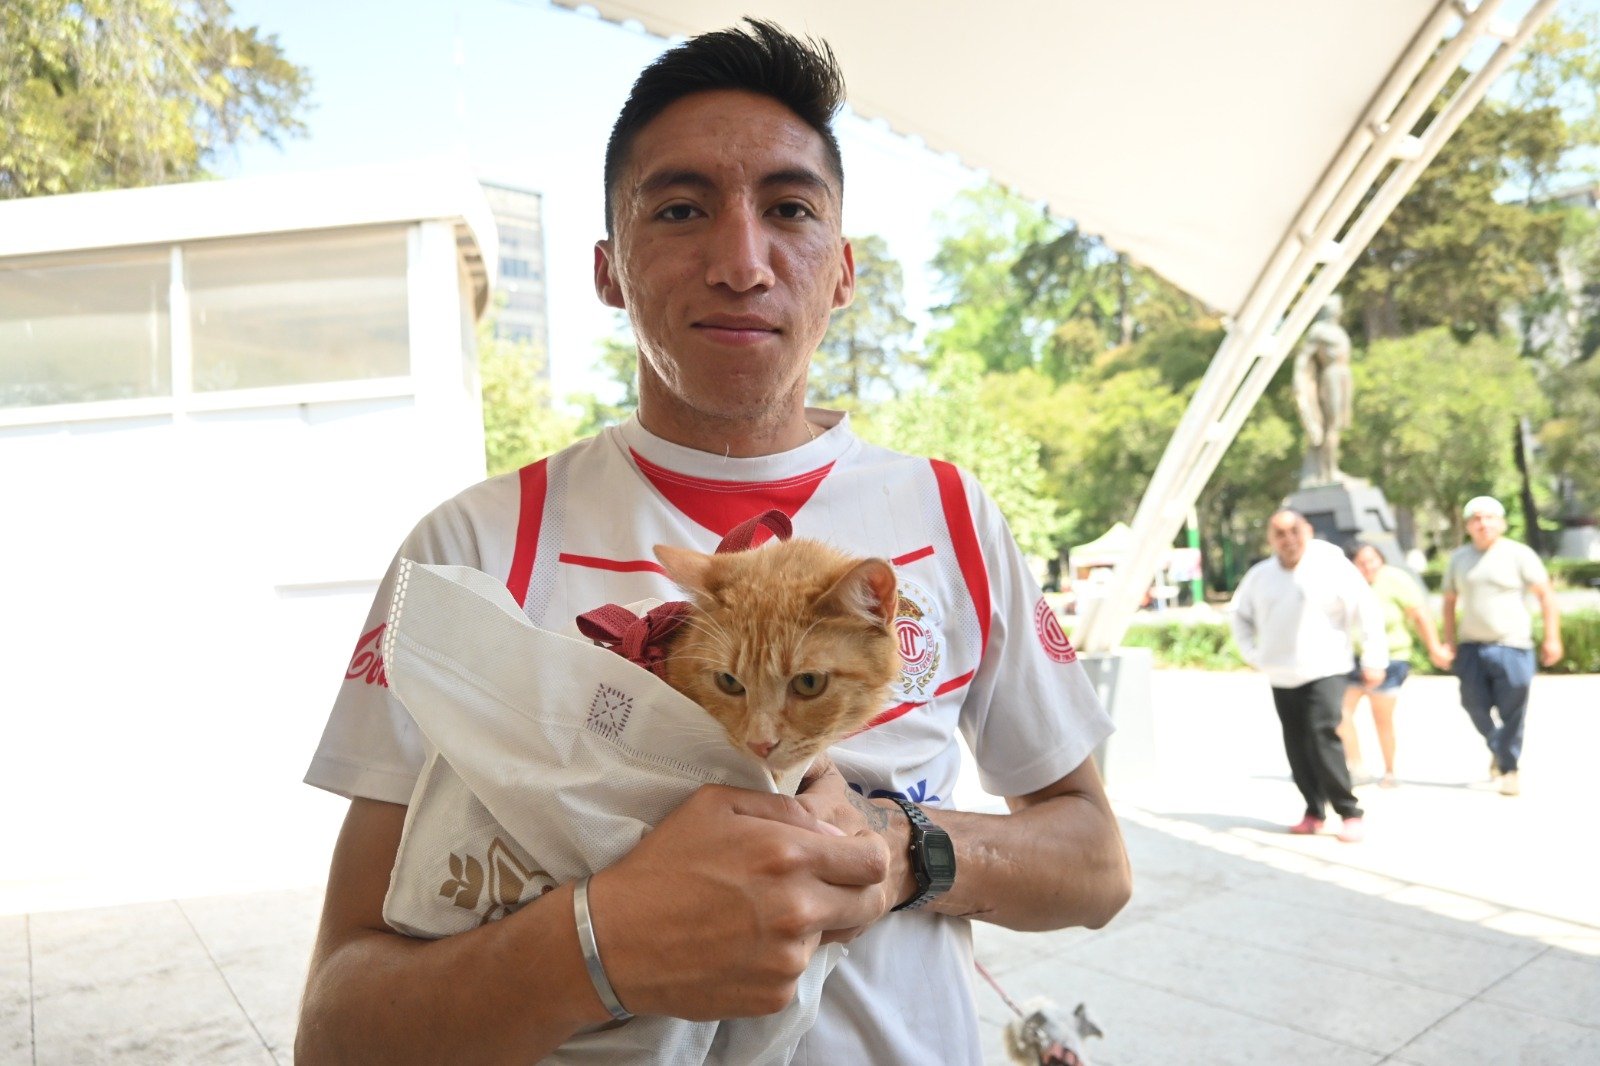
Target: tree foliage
{"x":519,"y":424}
{"x":1024,"y":290}
{"x":101,"y":94}
{"x":619,"y":363}
{"x":867,"y":345}
{"x":1435,"y":418}
{"x":1571,"y":438}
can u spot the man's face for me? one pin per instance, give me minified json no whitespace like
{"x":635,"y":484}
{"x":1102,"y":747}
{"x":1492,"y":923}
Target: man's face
{"x":1484,"y":529}
{"x":1369,"y":561}
{"x":727,"y":255}
{"x":1288,"y":534}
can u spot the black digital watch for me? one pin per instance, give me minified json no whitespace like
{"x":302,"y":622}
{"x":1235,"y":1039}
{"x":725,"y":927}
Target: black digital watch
{"x":933,"y":857}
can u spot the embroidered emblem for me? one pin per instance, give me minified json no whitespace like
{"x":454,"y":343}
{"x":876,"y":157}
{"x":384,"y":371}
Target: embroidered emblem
{"x":608,"y":711}
{"x":916,"y":628}
{"x":510,"y":883}
{"x":1051,"y":636}
{"x":366,"y":664}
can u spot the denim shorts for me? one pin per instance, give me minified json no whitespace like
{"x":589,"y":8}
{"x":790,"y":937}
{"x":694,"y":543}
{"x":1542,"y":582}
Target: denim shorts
{"x":1393,"y":677}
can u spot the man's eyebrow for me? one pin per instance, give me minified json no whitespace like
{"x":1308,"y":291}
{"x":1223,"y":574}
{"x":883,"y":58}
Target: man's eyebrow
{"x":682,"y":177}
{"x":662,"y":180}
{"x":797,"y":176}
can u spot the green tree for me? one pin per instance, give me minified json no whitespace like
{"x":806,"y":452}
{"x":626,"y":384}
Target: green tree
{"x":103,"y":94}
{"x":1571,"y":438}
{"x":945,"y":419}
{"x":519,"y":424}
{"x":1434,"y":419}
{"x":619,"y":362}
{"x":1024,"y":290}
{"x":867,"y":343}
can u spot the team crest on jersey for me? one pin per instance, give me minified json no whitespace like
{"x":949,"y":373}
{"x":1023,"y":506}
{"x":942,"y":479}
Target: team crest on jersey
{"x":1051,"y":637}
{"x":916,"y":628}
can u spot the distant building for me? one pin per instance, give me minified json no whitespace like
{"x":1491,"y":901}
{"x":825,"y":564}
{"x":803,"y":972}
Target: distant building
{"x":519,"y":309}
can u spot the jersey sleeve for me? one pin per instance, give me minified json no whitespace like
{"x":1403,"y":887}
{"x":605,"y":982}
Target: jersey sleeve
{"x":1030,"y":715}
{"x":1531,"y":568}
{"x":370,"y":747}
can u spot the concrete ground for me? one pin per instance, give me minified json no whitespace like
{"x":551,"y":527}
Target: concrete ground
{"x":1466,"y":928}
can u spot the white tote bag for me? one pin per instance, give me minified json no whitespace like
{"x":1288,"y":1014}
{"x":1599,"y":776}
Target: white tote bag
{"x":547,"y":759}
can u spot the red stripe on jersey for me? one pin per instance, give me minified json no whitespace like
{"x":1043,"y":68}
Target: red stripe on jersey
{"x":911,"y":557}
{"x":899,"y":709}
{"x":958,"y":519}
{"x":529,"y":520}
{"x":721,"y":505}
{"x":620,"y":566}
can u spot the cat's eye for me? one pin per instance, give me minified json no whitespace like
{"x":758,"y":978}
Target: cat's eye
{"x":808,"y":684}
{"x":729,"y":684}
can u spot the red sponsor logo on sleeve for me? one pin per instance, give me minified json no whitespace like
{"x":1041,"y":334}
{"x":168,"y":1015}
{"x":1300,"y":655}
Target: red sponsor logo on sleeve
{"x":366,"y":665}
{"x":1051,"y":637}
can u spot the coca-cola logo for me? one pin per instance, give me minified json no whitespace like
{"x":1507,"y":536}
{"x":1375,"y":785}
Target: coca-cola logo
{"x":366,"y":665}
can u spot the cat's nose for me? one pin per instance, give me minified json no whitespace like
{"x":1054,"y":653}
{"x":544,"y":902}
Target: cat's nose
{"x":762,"y":748}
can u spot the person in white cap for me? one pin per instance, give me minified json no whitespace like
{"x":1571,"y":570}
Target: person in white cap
{"x":1489,"y":579}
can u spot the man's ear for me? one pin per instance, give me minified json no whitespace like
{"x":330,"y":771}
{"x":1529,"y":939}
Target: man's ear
{"x":845,"y":291}
{"x":605,"y":280}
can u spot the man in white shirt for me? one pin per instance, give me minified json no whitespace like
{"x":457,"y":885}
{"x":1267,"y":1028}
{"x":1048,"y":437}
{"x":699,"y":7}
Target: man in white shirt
{"x":724,"y":189}
{"x":1293,"y":616}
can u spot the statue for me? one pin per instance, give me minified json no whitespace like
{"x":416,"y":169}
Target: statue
{"x":1322,"y":392}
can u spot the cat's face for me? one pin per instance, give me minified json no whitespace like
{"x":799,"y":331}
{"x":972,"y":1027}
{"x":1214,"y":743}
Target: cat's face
{"x":789,"y":646}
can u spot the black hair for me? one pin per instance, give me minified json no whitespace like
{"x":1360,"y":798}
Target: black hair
{"x":759,"y":57}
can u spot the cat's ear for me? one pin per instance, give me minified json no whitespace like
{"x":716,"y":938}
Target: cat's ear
{"x":690,"y":569}
{"x":867,"y":590}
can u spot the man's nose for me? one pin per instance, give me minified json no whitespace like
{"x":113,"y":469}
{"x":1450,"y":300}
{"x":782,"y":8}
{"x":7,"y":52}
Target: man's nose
{"x":740,"y":252}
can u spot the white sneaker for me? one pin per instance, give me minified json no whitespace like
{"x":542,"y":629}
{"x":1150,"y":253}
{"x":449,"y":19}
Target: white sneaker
{"x":1509,"y":786}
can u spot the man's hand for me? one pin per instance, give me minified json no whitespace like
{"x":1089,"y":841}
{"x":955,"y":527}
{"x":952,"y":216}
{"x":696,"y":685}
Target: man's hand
{"x":718,"y":910}
{"x":1551,"y":651}
{"x":1443,"y":656}
{"x":825,"y":793}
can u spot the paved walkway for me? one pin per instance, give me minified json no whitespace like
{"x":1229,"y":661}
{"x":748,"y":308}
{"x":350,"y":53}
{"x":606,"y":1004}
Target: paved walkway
{"x":1465,"y":929}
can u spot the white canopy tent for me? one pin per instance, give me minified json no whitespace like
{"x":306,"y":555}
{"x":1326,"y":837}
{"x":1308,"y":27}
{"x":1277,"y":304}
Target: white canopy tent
{"x":1226,"y":146}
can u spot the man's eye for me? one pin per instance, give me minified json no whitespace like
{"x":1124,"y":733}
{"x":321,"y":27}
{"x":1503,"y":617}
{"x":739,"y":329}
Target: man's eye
{"x":791,"y":210}
{"x":677,"y":213}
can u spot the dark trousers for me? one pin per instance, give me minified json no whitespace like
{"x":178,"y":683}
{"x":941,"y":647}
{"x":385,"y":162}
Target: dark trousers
{"x":1310,"y":718}
{"x":1496,"y":676}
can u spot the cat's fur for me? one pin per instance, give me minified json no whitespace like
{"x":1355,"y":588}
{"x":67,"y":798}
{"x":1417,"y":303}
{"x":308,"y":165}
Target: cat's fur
{"x":774,"y":620}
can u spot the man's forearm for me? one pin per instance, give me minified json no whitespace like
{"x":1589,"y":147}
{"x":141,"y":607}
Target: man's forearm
{"x":1057,"y":860}
{"x":1448,"y":610}
{"x":384,"y":997}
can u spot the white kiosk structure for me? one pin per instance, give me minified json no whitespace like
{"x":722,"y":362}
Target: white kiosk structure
{"x":222,"y":405}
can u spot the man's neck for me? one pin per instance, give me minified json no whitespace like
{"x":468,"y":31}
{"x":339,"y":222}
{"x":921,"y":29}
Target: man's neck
{"x":735,"y":438}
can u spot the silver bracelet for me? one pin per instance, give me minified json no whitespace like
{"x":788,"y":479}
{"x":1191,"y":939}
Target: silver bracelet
{"x":591,"y":953}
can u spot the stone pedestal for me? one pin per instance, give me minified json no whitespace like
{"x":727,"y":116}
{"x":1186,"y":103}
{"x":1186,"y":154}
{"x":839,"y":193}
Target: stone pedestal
{"x":1349,"y":513}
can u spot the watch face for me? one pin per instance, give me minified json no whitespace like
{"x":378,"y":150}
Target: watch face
{"x":941,"y":856}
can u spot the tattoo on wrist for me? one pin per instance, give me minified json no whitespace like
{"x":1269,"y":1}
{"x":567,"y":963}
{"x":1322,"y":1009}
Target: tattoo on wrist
{"x":877,"y":818}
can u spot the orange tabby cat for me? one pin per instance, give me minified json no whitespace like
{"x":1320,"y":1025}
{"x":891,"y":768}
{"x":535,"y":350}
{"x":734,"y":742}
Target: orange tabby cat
{"x":790,"y":647}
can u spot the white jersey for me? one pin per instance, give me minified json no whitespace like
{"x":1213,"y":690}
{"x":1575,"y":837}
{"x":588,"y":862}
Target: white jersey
{"x":982,"y":652}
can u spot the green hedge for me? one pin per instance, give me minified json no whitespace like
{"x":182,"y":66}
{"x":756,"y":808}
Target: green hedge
{"x":1209,"y":645}
{"x":1574,"y":573}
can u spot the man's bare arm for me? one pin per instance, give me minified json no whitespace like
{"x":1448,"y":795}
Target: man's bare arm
{"x":509,"y":992}
{"x":1448,"y":611}
{"x":1551,"y":650}
{"x":714,"y":914}
{"x":1057,"y":860}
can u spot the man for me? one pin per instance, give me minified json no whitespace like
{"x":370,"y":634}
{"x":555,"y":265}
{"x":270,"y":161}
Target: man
{"x":1293,"y":615}
{"x":724,"y":184}
{"x":1490,"y":578}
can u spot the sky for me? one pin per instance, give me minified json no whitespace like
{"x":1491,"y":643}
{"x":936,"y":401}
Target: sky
{"x":526,"y":94}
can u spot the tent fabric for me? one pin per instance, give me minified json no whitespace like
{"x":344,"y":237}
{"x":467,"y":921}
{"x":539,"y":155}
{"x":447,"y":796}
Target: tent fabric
{"x":1186,"y":135}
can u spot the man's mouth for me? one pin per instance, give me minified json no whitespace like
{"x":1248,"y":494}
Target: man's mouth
{"x":737,"y":329}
